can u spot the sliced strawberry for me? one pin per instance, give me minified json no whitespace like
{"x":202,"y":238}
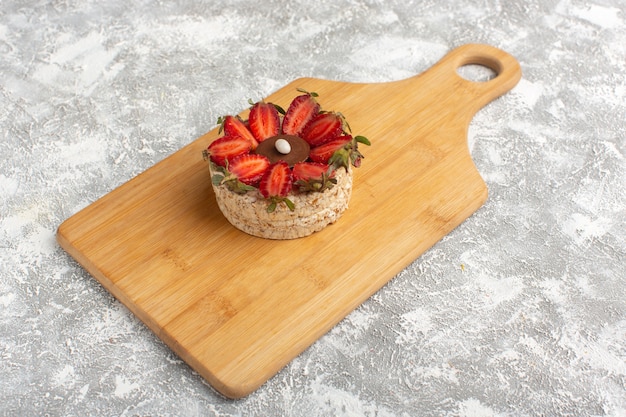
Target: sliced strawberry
{"x":276,"y":181}
{"x":309,"y":171}
{"x":323,"y":152}
{"x":264,"y":121}
{"x":300,"y":112}
{"x":313,"y":176}
{"x":249,"y":168}
{"x":234,"y":126}
{"x":323,"y":128}
{"x":228,"y":147}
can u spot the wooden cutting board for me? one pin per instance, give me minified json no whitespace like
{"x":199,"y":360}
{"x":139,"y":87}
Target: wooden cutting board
{"x":238,"y":308}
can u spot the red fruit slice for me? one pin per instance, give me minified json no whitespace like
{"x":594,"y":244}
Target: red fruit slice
{"x":234,"y":126}
{"x":309,"y":170}
{"x":323,"y":128}
{"x":300,"y":112}
{"x":277,"y":180}
{"x":323,"y":152}
{"x":249,"y":168}
{"x":228,"y":147}
{"x":264,"y":121}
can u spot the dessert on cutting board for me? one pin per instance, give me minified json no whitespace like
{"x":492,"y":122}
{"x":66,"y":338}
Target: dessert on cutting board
{"x":284,"y":174}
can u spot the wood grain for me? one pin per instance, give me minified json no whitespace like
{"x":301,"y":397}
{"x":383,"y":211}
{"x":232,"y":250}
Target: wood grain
{"x":238,"y":308}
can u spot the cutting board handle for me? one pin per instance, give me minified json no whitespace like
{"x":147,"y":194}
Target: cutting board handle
{"x":473,"y":95}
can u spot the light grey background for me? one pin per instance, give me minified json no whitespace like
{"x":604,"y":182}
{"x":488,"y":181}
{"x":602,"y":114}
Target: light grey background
{"x":519,"y":311}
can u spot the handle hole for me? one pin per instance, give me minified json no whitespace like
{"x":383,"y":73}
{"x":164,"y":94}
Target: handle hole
{"x":476,"y":73}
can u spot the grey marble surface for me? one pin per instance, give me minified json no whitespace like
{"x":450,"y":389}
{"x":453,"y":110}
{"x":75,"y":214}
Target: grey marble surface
{"x":519,"y":311}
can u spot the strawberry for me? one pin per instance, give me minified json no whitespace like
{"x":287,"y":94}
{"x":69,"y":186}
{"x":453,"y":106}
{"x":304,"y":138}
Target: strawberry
{"x":323,"y":152}
{"x":234,"y":126}
{"x":309,"y":171}
{"x":264,"y":121}
{"x":249,"y":168}
{"x":323,"y":128}
{"x":276,"y":181}
{"x":276,"y":184}
{"x":313,"y":176}
{"x":301,"y":110}
{"x":227,"y":147}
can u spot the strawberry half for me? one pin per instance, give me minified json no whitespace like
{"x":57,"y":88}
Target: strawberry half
{"x":227,"y":147}
{"x":264,"y":121}
{"x":323,"y":128}
{"x":234,"y":126}
{"x":313,"y":176}
{"x":276,"y":181}
{"x":323,"y":152}
{"x":300,"y":112}
{"x":249,"y":168}
{"x":306,"y":171}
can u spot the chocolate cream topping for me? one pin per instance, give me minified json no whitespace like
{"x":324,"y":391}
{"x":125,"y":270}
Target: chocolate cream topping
{"x":299,"y":149}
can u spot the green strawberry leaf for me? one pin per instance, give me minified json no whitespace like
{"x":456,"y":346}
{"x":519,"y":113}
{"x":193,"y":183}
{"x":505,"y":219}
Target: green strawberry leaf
{"x":217,"y":179}
{"x":289,"y":204}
